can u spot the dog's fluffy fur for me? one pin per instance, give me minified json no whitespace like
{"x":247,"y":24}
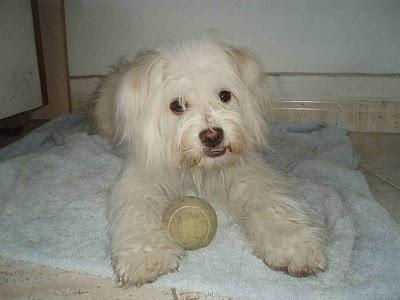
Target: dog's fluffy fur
{"x":168,"y":158}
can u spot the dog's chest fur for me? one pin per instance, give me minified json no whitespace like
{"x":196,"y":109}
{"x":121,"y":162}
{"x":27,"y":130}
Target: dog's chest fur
{"x":212,"y":186}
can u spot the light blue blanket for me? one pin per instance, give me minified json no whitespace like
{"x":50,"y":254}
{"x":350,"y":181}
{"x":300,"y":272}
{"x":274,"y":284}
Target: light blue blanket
{"x":54,"y":184}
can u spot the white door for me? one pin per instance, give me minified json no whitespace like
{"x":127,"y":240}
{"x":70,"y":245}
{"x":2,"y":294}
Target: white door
{"x":19,"y":73}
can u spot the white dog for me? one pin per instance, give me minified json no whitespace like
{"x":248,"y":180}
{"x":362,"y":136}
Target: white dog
{"x":193,"y":117}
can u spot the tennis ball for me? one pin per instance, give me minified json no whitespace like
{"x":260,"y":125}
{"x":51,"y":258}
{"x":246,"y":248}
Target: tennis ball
{"x":191,"y":221}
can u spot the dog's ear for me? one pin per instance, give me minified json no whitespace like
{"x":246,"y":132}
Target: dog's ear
{"x":134,"y":91}
{"x":251,"y":71}
{"x":139,"y":109}
{"x":247,"y":63}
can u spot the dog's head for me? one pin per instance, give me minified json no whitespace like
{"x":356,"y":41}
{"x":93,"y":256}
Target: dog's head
{"x":197,"y":105}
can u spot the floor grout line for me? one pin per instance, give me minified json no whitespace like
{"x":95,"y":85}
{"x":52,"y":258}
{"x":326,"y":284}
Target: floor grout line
{"x":381,"y":178}
{"x":381,"y":168}
{"x":174,"y":294}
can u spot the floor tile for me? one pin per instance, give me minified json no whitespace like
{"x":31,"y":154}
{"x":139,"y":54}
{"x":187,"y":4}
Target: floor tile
{"x":391,"y":202}
{"x":385,"y":194}
{"x":391,"y":175}
{"x":378,"y":151}
{"x":377,"y":185}
{"x":19,"y":280}
{"x":198,"y":296}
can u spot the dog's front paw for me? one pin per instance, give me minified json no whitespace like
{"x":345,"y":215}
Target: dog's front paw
{"x":146,"y":265}
{"x":298,"y":255}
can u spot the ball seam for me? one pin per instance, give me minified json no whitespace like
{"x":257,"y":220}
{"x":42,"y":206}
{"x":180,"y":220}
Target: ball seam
{"x":195,"y":207}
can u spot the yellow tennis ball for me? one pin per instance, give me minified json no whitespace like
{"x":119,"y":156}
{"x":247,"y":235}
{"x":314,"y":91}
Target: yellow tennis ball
{"x":191,"y":221}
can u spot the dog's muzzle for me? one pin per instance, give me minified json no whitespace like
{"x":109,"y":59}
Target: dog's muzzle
{"x":213,"y":138}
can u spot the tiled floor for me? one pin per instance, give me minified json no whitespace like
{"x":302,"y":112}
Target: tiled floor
{"x":380,"y":161}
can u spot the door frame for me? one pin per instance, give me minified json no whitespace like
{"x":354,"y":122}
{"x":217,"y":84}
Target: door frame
{"x":52,"y":55}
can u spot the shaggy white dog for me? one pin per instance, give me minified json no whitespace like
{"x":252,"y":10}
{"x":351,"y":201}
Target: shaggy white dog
{"x":193,"y":117}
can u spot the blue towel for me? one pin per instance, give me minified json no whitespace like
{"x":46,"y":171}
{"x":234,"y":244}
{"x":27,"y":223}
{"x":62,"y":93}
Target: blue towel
{"x":54,"y":184}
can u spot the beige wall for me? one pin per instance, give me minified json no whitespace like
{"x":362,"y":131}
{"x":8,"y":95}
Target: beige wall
{"x":329,"y":37}
{"x":290,"y":35}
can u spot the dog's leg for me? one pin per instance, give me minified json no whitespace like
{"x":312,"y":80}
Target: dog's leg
{"x":141,"y":249}
{"x":278,"y":228}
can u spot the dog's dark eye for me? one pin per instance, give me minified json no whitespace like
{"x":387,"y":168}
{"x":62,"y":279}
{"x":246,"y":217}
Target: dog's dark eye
{"x":176,"y":107}
{"x":225,"y":96}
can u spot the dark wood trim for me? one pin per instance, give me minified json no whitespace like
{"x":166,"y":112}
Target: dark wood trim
{"x":66,"y":52}
{"x":39,"y":51}
{"x":50,"y":18}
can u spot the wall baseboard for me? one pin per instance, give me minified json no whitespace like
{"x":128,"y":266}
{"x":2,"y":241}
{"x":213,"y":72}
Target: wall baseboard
{"x":357,"y":116}
{"x":356,"y":102}
{"x":335,"y":87}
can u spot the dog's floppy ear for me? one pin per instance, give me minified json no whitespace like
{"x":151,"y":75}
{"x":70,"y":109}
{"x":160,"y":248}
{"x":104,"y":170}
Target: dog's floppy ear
{"x":134,"y":91}
{"x":139,"y":108}
{"x":251,"y":71}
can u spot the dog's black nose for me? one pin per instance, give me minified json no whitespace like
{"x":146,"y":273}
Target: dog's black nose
{"x":211,"y":137}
